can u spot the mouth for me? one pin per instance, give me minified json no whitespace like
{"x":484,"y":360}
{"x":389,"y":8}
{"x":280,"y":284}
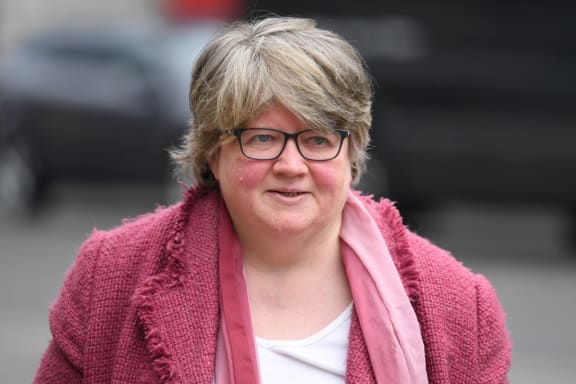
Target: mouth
{"x":289,"y":193}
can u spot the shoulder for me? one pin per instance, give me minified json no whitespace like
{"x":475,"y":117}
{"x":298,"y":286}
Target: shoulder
{"x":428,"y":271}
{"x":412,"y":251}
{"x":140,"y":228}
{"x":438,"y":266}
{"x":459,"y":311}
{"x":110,"y":264}
{"x":109,"y":252}
{"x":129,"y":243}
{"x":122,"y":256}
{"x":460,"y":316}
{"x":151,"y":232}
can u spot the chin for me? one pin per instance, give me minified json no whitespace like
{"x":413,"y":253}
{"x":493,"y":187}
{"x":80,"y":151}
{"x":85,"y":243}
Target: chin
{"x":290,"y":225}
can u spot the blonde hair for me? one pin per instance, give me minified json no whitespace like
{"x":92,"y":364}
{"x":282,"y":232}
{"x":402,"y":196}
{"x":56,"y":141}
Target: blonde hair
{"x":313,"y":72}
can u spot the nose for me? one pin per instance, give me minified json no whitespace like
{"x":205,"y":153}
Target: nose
{"x":290,"y":160}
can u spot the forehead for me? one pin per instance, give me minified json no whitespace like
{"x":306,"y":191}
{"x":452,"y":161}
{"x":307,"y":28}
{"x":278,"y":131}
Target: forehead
{"x":277,"y":116}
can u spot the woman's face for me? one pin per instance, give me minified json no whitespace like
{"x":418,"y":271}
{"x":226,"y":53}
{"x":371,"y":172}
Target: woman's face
{"x":285,"y":196}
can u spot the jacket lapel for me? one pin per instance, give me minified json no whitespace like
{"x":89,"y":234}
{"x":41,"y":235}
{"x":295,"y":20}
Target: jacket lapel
{"x":178,"y":307}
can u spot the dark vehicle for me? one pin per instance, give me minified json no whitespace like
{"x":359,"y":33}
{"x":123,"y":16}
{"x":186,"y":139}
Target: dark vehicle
{"x":16,"y":180}
{"x":94,"y":104}
{"x":475,"y":100}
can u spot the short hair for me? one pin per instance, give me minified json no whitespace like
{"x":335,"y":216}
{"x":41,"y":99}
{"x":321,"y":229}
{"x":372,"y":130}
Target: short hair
{"x":313,"y":72}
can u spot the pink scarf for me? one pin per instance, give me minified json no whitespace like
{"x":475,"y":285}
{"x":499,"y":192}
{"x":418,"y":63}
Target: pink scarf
{"x":387,"y":319}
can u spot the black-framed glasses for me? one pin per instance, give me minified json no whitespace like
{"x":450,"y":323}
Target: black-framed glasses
{"x":269,"y":143}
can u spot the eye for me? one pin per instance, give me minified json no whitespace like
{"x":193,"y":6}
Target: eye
{"x":319,"y":140}
{"x":259,"y":137}
{"x":262,"y":138}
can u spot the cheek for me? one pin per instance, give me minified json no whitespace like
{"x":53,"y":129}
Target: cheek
{"x":334,"y":176}
{"x":242,"y":173}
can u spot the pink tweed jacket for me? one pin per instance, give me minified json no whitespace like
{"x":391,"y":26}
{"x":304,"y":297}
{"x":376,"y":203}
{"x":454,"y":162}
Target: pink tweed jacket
{"x":141,"y":305}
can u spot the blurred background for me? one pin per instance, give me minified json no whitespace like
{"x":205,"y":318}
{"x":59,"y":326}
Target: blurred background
{"x":474,"y":137}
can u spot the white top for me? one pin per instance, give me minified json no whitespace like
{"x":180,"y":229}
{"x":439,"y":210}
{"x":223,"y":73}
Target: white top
{"x":320,"y":358}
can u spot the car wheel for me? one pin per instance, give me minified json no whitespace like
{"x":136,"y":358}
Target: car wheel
{"x":18,"y":182}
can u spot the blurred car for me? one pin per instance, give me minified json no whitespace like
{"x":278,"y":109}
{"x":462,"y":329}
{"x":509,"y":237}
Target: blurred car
{"x":474,"y":100}
{"x":481,"y":106}
{"x":16,"y":180}
{"x":98,"y":103}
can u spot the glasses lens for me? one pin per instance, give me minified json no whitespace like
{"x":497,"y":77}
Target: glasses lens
{"x":319,"y":145}
{"x":261,"y":143}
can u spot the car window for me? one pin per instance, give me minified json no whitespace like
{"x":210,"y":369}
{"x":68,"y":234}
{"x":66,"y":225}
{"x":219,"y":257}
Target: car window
{"x":115,"y":69}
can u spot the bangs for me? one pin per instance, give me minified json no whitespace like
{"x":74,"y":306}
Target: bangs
{"x":274,"y":72}
{"x":244,"y":90}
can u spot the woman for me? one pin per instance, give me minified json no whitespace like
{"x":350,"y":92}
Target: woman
{"x":272,"y":269}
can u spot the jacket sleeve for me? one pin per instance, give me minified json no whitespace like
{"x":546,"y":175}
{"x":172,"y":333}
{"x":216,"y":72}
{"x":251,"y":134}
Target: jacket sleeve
{"x":494,"y":345}
{"x":62,"y":361}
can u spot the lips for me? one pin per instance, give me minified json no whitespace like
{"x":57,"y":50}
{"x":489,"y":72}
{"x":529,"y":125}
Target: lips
{"x":289,"y":193}
{"x":288,"y":197}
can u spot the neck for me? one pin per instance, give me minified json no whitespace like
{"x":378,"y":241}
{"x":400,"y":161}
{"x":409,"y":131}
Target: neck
{"x":296,"y":290}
